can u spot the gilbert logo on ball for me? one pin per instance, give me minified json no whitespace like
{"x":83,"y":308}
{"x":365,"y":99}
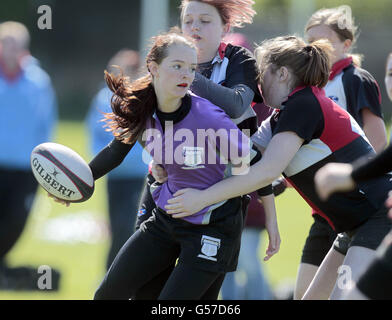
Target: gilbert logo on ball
{"x":62,"y":172}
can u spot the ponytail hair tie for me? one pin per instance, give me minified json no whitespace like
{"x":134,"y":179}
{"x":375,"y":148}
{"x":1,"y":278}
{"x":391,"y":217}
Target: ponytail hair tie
{"x":308,"y":48}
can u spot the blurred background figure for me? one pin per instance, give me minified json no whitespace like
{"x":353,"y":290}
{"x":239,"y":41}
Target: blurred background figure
{"x":28,"y":117}
{"x":388,"y":80}
{"x":249,"y":281}
{"x":126,"y":181}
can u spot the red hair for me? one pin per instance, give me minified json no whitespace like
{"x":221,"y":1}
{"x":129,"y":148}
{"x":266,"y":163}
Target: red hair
{"x":234,"y":12}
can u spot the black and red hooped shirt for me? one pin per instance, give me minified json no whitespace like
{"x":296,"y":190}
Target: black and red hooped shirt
{"x":330,"y":135}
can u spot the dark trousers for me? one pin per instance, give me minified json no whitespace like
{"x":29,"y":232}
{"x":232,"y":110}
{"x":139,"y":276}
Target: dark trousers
{"x":17,"y":192}
{"x":142,"y":258}
{"x":123,"y":198}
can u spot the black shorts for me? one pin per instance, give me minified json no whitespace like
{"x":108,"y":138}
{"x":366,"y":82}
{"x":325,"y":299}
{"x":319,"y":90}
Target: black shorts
{"x":370,"y":233}
{"x":320,"y":239}
{"x":376,"y":282}
{"x":214,"y":247}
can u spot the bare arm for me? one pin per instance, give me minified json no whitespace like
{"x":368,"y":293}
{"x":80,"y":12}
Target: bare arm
{"x":281,"y":149}
{"x":271,"y":224}
{"x":374,"y":129}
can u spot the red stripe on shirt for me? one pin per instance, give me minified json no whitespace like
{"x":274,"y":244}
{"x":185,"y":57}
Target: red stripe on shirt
{"x":337,"y":131}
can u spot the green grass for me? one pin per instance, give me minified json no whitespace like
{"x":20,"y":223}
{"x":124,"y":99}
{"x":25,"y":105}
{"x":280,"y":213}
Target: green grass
{"x":82,"y":265}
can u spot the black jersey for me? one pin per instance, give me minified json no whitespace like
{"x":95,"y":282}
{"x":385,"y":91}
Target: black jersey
{"x":330,"y":135}
{"x":234,"y":65}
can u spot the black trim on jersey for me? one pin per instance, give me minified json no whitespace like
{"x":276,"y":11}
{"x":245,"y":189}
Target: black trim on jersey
{"x":175,"y":116}
{"x":361,"y":92}
{"x":301,"y":114}
{"x":242,"y":69}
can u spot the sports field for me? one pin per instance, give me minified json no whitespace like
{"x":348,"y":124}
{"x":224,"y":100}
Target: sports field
{"x":74,"y":240}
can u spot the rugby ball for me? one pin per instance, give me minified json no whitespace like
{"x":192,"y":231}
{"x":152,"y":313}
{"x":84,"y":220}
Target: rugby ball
{"x":62,"y":172}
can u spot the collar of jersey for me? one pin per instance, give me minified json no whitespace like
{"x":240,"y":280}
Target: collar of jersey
{"x":220,"y":54}
{"x":339,"y":66}
{"x":177,"y":115}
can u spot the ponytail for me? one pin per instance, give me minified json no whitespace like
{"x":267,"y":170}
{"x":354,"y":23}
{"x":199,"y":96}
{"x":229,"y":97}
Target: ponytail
{"x":318,"y":66}
{"x":309,"y":64}
{"x":132,"y":104}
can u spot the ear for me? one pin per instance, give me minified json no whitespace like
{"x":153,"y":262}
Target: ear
{"x":347,"y":45}
{"x":153,"y":68}
{"x":226,"y":29}
{"x":283,"y":74}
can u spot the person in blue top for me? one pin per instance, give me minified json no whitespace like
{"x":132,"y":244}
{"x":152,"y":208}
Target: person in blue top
{"x":126,"y":181}
{"x":29,"y":115}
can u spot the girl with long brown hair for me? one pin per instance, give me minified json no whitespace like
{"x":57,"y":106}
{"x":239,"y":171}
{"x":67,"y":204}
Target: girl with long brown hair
{"x":226,"y":76}
{"x":198,"y":145}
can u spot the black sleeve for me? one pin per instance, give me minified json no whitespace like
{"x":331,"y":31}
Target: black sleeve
{"x":109,"y":157}
{"x":267,"y":190}
{"x":302,"y":115}
{"x":374,"y":168}
{"x":369,"y":93}
{"x":242,"y":69}
{"x":279,"y":186}
{"x":234,"y":100}
{"x":362,"y":91}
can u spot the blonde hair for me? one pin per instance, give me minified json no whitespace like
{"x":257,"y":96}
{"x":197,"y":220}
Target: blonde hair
{"x":234,"y":12}
{"x":16,"y":31}
{"x":309,"y":64}
{"x":339,"y":20}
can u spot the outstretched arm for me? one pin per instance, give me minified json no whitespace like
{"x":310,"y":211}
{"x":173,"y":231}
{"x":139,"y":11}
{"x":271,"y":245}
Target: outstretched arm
{"x":281,"y":149}
{"x":109,"y":158}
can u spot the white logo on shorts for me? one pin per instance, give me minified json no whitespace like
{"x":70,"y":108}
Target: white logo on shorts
{"x":209,"y":248}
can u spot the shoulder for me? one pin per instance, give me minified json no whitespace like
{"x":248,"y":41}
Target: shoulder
{"x":305,"y":98}
{"x":205,"y":110}
{"x":238,"y":52}
{"x":358,"y":74}
{"x":36,"y":75}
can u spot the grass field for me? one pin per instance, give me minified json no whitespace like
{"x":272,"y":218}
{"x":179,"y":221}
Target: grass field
{"x":75,"y":240}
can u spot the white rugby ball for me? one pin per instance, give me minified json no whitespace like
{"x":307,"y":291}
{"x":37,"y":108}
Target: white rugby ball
{"x":62,"y":172}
